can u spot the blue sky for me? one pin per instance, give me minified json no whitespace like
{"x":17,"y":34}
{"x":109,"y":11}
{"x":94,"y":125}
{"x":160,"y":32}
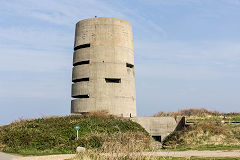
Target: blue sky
{"x":187,"y":54}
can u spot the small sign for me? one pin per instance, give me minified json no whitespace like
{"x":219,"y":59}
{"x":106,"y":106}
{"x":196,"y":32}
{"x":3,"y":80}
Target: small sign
{"x":77,"y":128}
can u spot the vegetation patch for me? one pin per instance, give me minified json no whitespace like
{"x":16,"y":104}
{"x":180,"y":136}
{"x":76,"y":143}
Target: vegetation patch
{"x":205,"y":135}
{"x":206,"y":130}
{"x":56,"y":135}
{"x":201,"y":114}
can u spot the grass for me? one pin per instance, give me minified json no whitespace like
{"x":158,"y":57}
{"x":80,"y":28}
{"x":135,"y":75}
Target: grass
{"x":56,"y":135}
{"x":200,"y":114}
{"x":103,"y":133}
{"x":206,"y":147}
{"x":98,"y":156}
{"x":91,"y":157}
{"x":225,"y":117}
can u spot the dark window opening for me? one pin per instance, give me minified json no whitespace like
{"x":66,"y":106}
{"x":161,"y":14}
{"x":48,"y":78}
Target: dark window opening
{"x":81,"y":80}
{"x":80,"y":63}
{"x":157,"y":138}
{"x":81,"y":96}
{"x":82,"y":46}
{"x":83,"y":113}
{"x":113,"y":80}
{"x":129,"y":65}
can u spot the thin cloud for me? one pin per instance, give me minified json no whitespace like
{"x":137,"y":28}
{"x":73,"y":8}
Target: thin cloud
{"x":34,"y":61}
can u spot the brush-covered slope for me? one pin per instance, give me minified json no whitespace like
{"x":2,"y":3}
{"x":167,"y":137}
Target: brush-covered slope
{"x":205,"y":135}
{"x":57,"y":135}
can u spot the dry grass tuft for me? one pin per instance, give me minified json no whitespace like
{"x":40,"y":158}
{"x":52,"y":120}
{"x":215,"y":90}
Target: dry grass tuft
{"x":95,"y":155}
{"x":126,"y":142}
{"x":211,"y":127}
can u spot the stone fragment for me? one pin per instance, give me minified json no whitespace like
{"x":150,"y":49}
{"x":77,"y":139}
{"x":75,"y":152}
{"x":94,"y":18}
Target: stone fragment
{"x":80,"y":149}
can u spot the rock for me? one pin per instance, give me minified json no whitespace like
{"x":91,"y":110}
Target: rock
{"x":80,"y":149}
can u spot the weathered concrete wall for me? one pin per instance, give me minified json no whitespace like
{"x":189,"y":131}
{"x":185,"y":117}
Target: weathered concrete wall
{"x":160,"y":126}
{"x":103,"y":48}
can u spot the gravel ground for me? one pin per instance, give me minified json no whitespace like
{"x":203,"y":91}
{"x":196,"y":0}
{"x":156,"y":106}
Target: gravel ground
{"x":186,"y":154}
{"x":50,"y":157}
{"x":4,"y":156}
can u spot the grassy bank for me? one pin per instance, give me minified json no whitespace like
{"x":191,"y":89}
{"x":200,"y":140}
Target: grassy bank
{"x":208,"y":133}
{"x":56,"y":135}
{"x":205,"y":135}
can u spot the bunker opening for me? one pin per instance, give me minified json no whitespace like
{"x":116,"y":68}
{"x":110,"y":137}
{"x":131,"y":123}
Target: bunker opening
{"x":157,"y":138}
{"x":81,"y":96}
{"x":81,"y":63}
{"x":82,"y":46}
{"x":113,"y":80}
{"x":80,"y":80}
{"x":129,"y":65}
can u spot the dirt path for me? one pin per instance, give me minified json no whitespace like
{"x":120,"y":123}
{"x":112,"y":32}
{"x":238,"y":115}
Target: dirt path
{"x":50,"y":157}
{"x":4,"y":156}
{"x":185,"y":154}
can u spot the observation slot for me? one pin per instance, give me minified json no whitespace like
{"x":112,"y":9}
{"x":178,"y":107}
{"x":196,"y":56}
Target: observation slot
{"x":80,"y":80}
{"x":129,"y":65}
{"x":113,"y":80}
{"x":82,"y":46}
{"x":81,"y":96}
{"x":81,"y":63}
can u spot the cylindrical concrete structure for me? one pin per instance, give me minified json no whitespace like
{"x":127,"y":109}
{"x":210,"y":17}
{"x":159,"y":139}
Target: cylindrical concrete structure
{"x":103,"y":73}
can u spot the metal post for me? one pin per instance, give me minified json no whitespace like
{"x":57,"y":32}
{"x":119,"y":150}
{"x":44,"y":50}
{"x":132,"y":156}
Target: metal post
{"x":77,"y":134}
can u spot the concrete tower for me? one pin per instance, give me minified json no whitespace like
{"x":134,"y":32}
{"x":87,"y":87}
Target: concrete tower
{"x":103,"y":73}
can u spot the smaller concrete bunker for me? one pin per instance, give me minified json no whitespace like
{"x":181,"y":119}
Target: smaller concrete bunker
{"x":160,"y":127}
